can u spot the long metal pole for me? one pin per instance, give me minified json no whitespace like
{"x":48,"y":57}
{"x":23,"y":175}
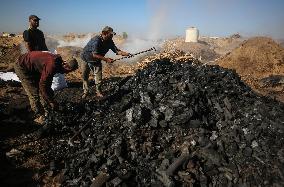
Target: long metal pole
{"x":132,"y":55}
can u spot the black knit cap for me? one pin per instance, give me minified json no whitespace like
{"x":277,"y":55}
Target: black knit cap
{"x":108,"y":29}
{"x":33,"y":17}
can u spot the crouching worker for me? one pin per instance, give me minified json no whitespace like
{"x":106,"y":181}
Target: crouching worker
{"x":35,"y":71}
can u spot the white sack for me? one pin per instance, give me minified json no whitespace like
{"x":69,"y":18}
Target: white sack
{"x":58,"y":81}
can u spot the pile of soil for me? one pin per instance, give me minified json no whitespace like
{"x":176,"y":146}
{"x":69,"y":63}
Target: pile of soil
{"x":9,"y":52}
{"x":256,"y":59}
{"x":207,"y":49}
{"x":68,"y":52}
{"x":223,"y":46}
{"x":200,"y":50}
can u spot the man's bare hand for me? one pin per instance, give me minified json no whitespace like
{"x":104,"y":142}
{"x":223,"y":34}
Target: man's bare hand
{"x":109,"y":60}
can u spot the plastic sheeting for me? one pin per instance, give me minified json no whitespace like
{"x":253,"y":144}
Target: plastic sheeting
{"x":58,"y":81}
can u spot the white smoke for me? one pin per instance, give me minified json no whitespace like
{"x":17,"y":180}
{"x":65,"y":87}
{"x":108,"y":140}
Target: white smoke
{"x":134,"y":44}
{"x":158,"y":19}
{"x":161,"y":23}
{"x":77,"y":42}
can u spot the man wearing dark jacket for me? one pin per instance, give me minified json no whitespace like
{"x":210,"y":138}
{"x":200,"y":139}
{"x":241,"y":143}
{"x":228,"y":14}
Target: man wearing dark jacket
{"x":33,"y":37}
{"x":92,"y":55}
{"x":36,"y":70}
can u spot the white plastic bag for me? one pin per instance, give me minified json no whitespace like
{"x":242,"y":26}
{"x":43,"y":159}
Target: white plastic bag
{"x":58,"y":82}
{"x":9,"y":76}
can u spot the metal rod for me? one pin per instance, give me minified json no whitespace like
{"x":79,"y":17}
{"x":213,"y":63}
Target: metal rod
{"x":132,"y":55}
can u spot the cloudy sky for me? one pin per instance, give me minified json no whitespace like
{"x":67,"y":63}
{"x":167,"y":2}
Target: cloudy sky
{"x":154,"y":18}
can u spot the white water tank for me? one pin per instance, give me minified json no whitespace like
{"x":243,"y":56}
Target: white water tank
{"x":192,"y":34}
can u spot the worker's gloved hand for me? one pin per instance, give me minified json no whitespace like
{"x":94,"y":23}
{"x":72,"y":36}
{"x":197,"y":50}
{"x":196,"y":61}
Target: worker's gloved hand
{"x":54,"y":105}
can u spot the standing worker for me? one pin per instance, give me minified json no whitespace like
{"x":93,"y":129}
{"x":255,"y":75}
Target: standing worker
{"x":33,"y":37}
{"x":92,"y":55}
{"x":36,"y":70}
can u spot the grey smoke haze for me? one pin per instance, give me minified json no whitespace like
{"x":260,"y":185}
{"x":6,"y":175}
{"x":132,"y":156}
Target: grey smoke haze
{"x":159,"y":25}
{"x":77,"y":42}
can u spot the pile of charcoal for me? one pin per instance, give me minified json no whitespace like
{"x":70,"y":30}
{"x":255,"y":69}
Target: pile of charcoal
{"x":172,"y":124}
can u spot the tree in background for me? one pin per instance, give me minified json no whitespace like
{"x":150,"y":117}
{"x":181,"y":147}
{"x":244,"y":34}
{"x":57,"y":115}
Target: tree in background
{"x":124,"y":35}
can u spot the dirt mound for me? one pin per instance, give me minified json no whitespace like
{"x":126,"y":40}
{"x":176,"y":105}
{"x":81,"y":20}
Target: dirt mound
{"x":9,"y":52}
{"x":255,"y":59}
{"x":68,"y":52}
{"x":207,"y":49}
{"x":223,"y":46}
{"x":199,"y":50}
{"x":72,"y":36}
{"x":258,"y":57}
